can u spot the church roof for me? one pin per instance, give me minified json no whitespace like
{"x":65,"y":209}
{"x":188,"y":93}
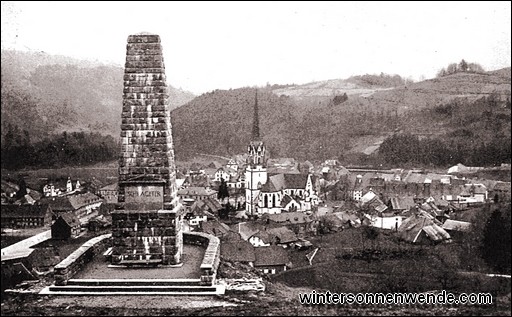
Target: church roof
{"x":278,"y":182}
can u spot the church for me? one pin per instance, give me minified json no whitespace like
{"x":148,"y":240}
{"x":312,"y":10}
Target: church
{"x":273,"y":193}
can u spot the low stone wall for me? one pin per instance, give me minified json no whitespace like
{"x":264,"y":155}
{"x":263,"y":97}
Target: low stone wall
{"x":68,"y":267}
{"x":211,"y":258}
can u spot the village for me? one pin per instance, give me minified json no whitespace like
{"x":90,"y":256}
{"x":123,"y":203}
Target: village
{"x":293,"y":203}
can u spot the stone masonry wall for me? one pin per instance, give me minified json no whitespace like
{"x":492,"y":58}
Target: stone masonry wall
{"x":147,"y":146}
{"x":143,"y":236}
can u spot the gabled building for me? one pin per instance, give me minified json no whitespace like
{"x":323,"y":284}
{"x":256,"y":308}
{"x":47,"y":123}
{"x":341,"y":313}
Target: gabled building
{"x":216,"y":228}
{"x":202,"y":211}
{"x":422,"y":228}
{"x":401,"y":204}
{"x":299,"y":222}
{"x":271,"y":260}
{"x":109,"y":193}
{"x":238,"y":251}
{"x":84,"y":206}
{"x":457,"y":229}
{"x":232,"y":164}
{"x":225,"y":173}
{"x":26,"y":216}
{"x":287,"y":192}
{"x":67,"y":226}
{"x":236,"y":181}
{"x":188,"y":196}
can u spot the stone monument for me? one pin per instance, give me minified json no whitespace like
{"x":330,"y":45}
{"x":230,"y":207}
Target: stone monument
{"x":147,"y":225}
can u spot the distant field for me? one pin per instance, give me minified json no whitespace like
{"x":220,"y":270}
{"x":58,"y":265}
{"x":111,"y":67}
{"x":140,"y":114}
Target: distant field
{"x":103,"y":174}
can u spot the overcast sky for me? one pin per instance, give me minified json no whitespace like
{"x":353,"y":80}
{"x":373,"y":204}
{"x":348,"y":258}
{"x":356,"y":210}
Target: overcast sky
{"x":224,"y":45}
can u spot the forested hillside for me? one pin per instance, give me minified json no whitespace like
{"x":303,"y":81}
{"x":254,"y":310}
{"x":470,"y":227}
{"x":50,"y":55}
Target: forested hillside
{"x":62,"y":94}
{"x":455,"y":118}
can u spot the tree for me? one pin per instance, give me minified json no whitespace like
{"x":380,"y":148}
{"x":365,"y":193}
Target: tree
{"x":463,"y":66}
{"x":371,"y":234}
{"x":441,"y":73}
{"x":496,"y":242}
{"x":475,"y":68}
{"x":23,"y":189}
{"x":223,"y":190}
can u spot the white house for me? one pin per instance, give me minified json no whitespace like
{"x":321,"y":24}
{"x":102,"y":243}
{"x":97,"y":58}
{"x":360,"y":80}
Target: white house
{"x":224,"y":173}
{"x":232,"y":164}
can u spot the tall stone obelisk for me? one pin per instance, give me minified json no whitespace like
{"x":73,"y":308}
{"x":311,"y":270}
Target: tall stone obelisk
{"x":147,"y":229}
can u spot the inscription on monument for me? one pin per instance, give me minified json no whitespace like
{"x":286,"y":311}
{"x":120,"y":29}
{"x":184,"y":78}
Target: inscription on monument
{"x":144,"y":197}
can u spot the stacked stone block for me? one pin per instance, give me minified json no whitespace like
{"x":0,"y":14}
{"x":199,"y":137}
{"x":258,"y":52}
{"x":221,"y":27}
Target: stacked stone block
{"x":147,"y":159}
{"x":145,"y":237}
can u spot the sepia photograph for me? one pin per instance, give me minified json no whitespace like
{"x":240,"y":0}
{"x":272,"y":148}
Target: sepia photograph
{"x":248,"y":158}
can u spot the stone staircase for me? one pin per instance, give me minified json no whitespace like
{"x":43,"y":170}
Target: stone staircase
{"x":134,"y":287}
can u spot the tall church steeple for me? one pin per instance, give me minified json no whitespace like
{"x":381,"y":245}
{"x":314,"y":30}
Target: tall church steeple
{"x":256,"y":171}
{"x":256,"y":121}
{"x":256,"y":148}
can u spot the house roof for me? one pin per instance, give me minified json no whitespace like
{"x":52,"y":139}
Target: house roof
{"x":228,"y":170}
{"x":502,"y":186}
{"x":464,"y":192}
{"x":247,"y":229}
{"x":24,"y":210}
{"x":347,"y":217}
{"x":412,"y":227}
{"x":271,"y":256}
{"x":457,"y":169}
{"x":308,"y":164}
{"x":284,"y":161}
{"x":288,"y":217}
{"x":241,"y":214}
{"x":368,"y":197}
{"x":377,"y":205}
{"x":215,"y":164}
{"x":372,"y":201}
{"x":113,"y":186}
{"x":208,"y":207}
{"x":387,"y":177}
{"x":34,"y":194}
{"x":264,"y":236}
{"x":70,"y":219}
{"x":238,"y":251}
{"x":436,"y":233}
{"x":402,"y":203}
{"x":415,"y":178}
{"x":73,"y":202}
{"x":282,"y":234}
{"x":278,"y":182}
{"x":9,"y":187}
{"x":199,"y":191}
{"x":180,"y":182}
{"x":476,"y":188}
{"x":332,"y":220}
{"x":286,"y":200}
{"x":215,"y":228}
{"x":456,"y":225}
{"x":199,"y":208}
